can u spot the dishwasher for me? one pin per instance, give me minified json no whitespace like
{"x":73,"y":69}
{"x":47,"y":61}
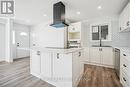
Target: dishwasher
{"x":117,"y":62}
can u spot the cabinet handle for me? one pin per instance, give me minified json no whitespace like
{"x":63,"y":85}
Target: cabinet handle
{"x":100,"y":49}
{"x":120,"y":28}
{"x":127,"y":23}
{"x":124,"y":65}
{"x":38,"y":53}
{"x":124,"y":79}
{"x":57,"y":55}
{"x":79,"y":53}
{"x":124,"y":54}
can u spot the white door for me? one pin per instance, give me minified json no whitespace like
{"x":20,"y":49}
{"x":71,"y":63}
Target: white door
{"x":22,"y":43}
{"x":2,"y":42}
{"x":95,"y":55}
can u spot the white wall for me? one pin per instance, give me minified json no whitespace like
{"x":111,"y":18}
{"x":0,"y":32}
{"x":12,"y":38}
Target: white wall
{"x":118,"y":39}
{"x":2,"y":42}
{"x":44,"y":35}
{"x":24,"y":40}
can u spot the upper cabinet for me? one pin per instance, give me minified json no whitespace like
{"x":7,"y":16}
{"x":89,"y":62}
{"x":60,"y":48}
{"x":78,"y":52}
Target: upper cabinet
{"x":124,"y":19}
{"x":76,"y":34}
{"x":100,"y":31}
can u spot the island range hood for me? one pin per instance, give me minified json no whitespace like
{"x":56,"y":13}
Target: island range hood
{"x":59,"y":15}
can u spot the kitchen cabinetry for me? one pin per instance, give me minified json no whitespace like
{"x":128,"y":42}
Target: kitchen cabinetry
{"x":45,"y":65}
{"x":76,"y":34}
{"x":86,"y":54}
{"x":95,"y":55}
{"x":107,"y":56}
{"x":35,"y":63}
{"x":102,"y":56}
{"x":58,"y":69}
{"x":124,"y":19}
{"x":125,"y":68}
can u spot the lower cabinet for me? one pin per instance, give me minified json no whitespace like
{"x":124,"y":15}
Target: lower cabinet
{"x":125,"y":68}
{"x":35,"y":63}
{"x":95,"y":55}
{"x":102,"y":56}
{"x":107,"y":56}
{"x":46,"y":65}
{"x":58,"y":69}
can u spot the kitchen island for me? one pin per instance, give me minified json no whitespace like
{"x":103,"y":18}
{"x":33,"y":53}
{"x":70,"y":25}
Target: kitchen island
{"x":59,"y":67}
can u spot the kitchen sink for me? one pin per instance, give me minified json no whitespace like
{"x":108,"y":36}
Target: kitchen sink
{"x":101,"y":46}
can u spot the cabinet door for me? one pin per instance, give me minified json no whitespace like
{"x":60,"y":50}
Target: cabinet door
{"x":62,"y":63}
{"x":46,"y":65}
{"x":35,"y":63}
{"x":95,"y":55}
{"x":126,"y":17}
{"x":86,"y":55}
{"x":107,"y":56}
{"x":81,"y":61}
{"x":75,"y":27}
{"x":76,"y":67}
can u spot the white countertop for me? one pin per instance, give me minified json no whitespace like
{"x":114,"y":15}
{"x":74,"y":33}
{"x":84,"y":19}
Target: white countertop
{"x":126,"y":49}
{"x":56,"y":50}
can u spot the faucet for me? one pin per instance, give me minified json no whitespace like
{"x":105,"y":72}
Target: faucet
{"x":100,"y":42}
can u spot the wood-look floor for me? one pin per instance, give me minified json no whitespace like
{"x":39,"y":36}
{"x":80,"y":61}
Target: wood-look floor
{"x":17,"y":74}
{"x":95,"y":76}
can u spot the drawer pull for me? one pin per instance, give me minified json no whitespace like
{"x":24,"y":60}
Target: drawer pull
{"x":57,"y":55}
{"x":124,"y":65}
{"x":124,"y":79}
{"x":124,"y":54}
{"x":38,"y":53}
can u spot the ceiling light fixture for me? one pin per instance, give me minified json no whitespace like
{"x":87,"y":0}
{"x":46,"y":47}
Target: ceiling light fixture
{"x":99,"y":7}
{"x":78,"y":13}
{"x":45,"y":15}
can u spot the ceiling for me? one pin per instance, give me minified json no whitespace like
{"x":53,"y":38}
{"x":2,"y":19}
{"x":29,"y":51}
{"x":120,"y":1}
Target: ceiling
{"x":33,"y":12}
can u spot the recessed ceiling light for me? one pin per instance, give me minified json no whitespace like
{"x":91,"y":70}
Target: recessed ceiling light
{"x":99,"y":7}
{"x":78,"y":13}
{"x":45,"y":15}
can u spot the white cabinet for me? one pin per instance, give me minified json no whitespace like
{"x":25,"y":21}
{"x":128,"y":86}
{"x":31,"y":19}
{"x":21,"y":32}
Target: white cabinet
{"x":46,"y":65}
{"x":95,"y":55}
{"x":75,"y":27}
{"x":62,"y":62}
{"x":77,"y":34}
{"x":35,"y":63}
{"x":102,"y":56}
{"x":86,"y":54}
{"x":107,"y":56}
{"x":124,"y":19}
{"x":125,"y":68}
{"x":58,"y":69}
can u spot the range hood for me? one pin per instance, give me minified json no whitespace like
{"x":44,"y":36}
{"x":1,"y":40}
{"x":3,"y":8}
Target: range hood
{"x":59,"y":15}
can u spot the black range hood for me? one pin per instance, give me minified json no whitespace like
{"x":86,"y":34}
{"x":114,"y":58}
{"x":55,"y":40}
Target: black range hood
{"x":59,"y":15}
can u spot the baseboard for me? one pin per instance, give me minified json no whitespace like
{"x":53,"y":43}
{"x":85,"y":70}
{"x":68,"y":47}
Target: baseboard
{"x":22,"y":57}
{"x":96,"y":64}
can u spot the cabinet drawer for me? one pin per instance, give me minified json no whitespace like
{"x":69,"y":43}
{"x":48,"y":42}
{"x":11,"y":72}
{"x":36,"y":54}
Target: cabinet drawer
{"x":125,"y":66}
{"x":126,"y":56}
{"x":125,"y":81}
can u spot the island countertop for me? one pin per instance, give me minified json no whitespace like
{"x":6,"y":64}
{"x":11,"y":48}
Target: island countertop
{"x":56,"y":50}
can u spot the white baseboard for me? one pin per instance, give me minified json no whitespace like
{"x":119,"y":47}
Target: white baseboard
{"x":96,"y":64}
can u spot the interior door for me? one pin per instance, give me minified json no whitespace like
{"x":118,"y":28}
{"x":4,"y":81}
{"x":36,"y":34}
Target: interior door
{"x":22,"y":43}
